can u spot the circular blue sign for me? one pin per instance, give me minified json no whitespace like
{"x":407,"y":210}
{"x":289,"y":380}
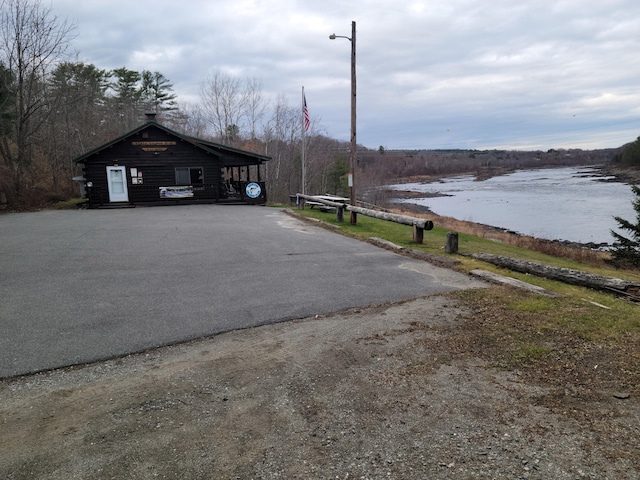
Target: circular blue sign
{"x":253,"y":190}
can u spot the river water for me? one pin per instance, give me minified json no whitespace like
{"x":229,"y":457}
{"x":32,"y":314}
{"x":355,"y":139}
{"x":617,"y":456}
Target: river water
{"x":571,"y":203}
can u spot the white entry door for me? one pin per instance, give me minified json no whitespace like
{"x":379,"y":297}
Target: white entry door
{"x":117,"y":181}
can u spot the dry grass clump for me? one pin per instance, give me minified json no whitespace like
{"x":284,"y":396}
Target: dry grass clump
{"x":554,"y":248}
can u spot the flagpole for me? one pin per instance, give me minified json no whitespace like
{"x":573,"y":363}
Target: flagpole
{"x":304,"y":192}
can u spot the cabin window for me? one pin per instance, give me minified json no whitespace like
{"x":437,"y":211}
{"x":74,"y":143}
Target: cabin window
{"x":193,"y":176}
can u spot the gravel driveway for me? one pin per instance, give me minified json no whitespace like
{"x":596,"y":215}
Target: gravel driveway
{"x":368,"y":393}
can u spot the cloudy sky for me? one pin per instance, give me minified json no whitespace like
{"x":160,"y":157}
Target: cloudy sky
{"x":531,"y":74}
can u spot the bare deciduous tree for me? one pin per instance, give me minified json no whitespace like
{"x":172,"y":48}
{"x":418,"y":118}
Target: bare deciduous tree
{"x":282,"y":136}
{"x":224,"y":103}
{"x":188,"y":119}
{"x":32,"y":40}
{"x":255,"y":105}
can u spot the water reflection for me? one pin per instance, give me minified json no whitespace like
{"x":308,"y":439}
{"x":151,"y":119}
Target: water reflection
{"x":572,"y":203}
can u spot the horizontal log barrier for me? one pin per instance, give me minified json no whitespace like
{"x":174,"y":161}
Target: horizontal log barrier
{"x":419,"y":224}
{"x":393,"y":217}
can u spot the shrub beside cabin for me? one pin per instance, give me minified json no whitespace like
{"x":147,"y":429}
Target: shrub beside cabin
{"x":153,"y":165}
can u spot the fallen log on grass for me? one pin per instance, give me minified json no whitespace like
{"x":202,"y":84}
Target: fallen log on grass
{"x":501,"y":279}
{"x":567,"y":275}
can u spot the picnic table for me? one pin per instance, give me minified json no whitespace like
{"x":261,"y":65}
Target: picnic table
{"x":330,"y":198}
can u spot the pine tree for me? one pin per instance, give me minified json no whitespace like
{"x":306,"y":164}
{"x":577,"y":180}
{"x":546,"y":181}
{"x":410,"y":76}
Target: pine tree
{"x":626,"y":251}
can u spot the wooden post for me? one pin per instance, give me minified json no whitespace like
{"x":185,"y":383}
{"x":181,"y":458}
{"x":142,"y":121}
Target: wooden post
{"x":452,"y":243}
{"x":340,"y":214}
{"x":418,"y":234}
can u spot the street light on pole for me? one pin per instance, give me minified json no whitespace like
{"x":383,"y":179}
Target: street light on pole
{"x":352,"y":152}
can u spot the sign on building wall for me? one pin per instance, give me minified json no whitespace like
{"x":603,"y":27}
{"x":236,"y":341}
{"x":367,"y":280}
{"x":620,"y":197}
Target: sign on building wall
{"x":176,"y":192}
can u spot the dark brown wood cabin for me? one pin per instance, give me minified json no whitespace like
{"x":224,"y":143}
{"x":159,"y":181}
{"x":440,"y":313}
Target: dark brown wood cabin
{"x":153,"y":165}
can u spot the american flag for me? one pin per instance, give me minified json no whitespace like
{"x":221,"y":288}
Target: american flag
{"x":305,"y":113}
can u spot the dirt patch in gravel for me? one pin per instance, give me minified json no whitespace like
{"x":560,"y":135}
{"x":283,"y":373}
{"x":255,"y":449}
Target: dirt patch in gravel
{"x":405,"y":391}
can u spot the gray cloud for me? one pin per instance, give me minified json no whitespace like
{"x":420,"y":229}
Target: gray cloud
{"x":437,"y":74}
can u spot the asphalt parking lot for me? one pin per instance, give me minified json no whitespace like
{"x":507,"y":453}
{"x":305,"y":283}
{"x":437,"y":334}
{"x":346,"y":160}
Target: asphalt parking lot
{"x":86,"y":285}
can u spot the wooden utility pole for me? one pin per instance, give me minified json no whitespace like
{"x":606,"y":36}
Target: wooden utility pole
{"x":352,"y":153}
{"x":352,"y":149}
